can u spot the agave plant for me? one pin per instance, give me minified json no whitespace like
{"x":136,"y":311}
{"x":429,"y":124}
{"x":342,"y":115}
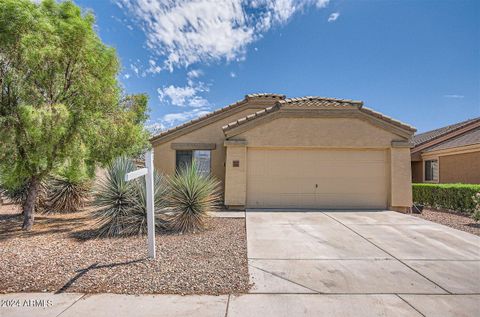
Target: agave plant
{"x":66,"y":195}
{"x":189,"y":198}
{"x":122,"y":205}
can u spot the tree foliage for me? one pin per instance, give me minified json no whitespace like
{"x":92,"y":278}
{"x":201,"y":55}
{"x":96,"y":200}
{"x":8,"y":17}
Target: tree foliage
{"x":60,"y":102}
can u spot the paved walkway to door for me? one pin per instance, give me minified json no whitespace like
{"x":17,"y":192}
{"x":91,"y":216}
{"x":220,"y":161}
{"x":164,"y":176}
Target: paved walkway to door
{"x":358,"y":263}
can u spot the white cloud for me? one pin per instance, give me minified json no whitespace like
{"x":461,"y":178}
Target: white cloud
{"x":134,"y":68}
{"x":184,"y":32}
{"x":233,"y":75}
{"x":173,"y":119}
{"x":194,"y":73}
{"x":333,"y":17}
{"x":153,"y":68}
{"x":156,"y":127}
{"x":454,"y":96}
{"x":126,"y":76}
{"x":187,"y":96}
{"x":322,"y":3}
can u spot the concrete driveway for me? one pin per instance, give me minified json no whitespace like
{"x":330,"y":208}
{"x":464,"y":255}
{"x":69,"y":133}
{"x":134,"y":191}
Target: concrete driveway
{"x":359,"y":263}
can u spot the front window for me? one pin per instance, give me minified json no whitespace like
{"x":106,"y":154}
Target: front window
{"x":201,"y":157}
{"x":431,"y":170}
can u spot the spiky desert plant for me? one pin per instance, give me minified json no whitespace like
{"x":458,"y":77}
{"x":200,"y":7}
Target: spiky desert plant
{"x":189,"y":198}
{"x":136,"y":222}
{"x":66,"y":195}
{"x":122,"y":205}
{"x":18,"y":194}
{"x":113,"y":198}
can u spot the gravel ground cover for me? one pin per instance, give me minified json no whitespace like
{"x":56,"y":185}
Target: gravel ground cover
{"x":60,"y":255}
{"x":454,"y":220}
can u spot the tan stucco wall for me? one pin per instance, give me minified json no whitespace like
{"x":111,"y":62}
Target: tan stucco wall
{"x":337,"y":133}
{"x":319,"y":132}
{"x":164,"y":155}
{"x":417,"y":172}
{"x":400,"y":174}
{"x":236,"y":177}
{"x":460,"y":168}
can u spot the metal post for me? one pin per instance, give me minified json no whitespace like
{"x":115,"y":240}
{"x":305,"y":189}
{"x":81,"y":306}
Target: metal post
{"x":150,"y":204}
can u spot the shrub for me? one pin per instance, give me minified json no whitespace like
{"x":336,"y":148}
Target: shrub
{"x":189,"y":198}
{"x":122,"y":205}
{"x":456,"y":197}
{"x":476,"y":213}
{"x":66,"y":195}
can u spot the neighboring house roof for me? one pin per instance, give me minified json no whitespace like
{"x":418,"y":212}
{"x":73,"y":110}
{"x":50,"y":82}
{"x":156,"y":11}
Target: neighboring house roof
{"x":468,"y":138}
{"x":317,"y":102}
{"x":217,"y":112}
{"x":428,"y":136}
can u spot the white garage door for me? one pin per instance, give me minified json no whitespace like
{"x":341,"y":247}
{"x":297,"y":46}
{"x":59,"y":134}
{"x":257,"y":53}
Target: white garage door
{"x":337,"y":179}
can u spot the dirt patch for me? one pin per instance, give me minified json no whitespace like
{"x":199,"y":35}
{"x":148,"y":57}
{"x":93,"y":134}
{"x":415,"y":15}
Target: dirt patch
{"x":60,"y":255}
{"x":451,"y":219}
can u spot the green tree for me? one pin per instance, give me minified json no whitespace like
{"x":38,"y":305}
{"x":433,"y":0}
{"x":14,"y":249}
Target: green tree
{"x":61,"y":105}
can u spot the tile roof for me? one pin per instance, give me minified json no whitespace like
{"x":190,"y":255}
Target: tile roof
{"x":317,"y":102}
{"x":433,"y":134}
{"x":250,"y":117}
{"x":218,"y":111}
{"x":265,"y":95}
{"x":468,"y":138}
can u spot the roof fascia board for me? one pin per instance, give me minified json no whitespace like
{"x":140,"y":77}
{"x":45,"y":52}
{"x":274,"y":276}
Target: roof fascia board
{"x":454,"y":150}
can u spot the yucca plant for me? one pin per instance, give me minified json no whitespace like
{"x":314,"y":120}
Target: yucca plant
{"x":189,"y":198}
{"x":113,"y":198}
{"x":18,"y":194}
{"x":138,"y":213}
{"x":122,"y":205}
{"x":66,"y":194}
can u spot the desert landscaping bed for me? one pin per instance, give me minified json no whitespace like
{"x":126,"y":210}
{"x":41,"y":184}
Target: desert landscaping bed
{"x":451,"y":219}
{"x":61,"y":255}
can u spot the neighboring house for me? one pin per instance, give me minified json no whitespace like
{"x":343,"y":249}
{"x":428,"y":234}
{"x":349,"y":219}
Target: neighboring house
{"x":448,"y":155}
{"x":272,"y":152}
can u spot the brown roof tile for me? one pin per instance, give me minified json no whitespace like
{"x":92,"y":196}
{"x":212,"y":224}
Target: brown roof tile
{"x":468,"y":138}
{"x":317,"y":102}
{"x":428,"y":136}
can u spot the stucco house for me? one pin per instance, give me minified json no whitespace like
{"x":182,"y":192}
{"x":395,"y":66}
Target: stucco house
{"x":272,"y":152}
{"x":449,"y":154}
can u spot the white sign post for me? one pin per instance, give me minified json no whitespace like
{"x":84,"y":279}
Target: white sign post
{"x":148,"y":172}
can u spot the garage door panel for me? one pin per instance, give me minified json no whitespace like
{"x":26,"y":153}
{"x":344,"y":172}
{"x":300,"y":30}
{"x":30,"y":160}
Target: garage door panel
{"x":316,"y":178}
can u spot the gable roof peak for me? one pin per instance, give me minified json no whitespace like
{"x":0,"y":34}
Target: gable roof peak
{"x":312,"y":102}
{"x":324,"y":100}
{"x":264,"y":96}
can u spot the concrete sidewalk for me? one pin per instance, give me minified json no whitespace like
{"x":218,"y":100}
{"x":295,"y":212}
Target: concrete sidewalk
{"x":282,"y":305}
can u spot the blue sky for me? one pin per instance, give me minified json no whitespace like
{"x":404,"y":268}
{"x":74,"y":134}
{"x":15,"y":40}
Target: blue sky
{"x":416,"y":61}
